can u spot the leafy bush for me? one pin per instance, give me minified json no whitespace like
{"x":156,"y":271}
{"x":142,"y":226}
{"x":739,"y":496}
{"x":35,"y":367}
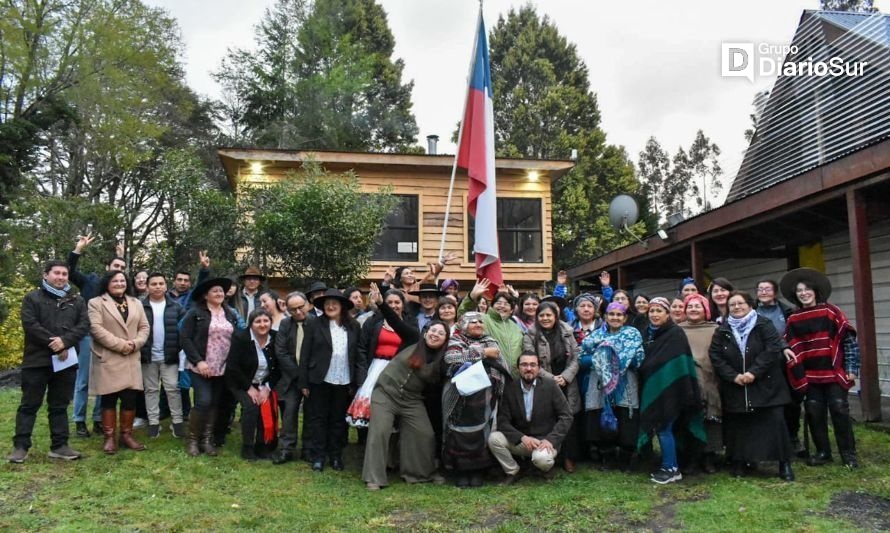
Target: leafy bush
{"x":12,"y":338}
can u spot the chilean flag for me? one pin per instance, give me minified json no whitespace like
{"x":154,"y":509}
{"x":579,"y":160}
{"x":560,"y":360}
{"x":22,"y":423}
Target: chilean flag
{"x":475,"y":153}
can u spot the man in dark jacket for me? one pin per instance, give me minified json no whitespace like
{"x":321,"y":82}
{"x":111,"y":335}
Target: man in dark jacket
{"x":160,"y":356}
{"x":533,"y":419}
{"x":54,"y":322}
{"x":89,"y":288}
{"x":288,"y":344}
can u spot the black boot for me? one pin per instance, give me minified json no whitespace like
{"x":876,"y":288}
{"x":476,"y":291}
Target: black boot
{"x":709,"y":463}
{"x":785,"y":471}
{"x":248,"y":453}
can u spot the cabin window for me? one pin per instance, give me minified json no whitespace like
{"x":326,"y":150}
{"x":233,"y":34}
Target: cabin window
{"x":519,"y":231}
{"x":398,"y":241}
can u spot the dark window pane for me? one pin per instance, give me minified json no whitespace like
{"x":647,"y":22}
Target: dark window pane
{"x":519,"y":231}
{"x":398,"y":241}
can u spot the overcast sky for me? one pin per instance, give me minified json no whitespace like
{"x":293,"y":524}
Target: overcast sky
{"x":655,"y":68}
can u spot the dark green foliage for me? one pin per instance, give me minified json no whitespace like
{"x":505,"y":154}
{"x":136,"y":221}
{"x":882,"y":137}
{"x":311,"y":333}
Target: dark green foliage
{"x":544,"y":108}
{"x":313,"y":225}
{"x":322,"y":78}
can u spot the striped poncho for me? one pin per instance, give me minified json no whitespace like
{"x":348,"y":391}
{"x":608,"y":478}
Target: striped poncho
{"x":670,"y":391}
{"x":816,"y":336}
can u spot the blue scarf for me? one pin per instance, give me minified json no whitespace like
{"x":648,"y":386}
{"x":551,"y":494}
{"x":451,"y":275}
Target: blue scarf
{"x":58,"y":293}
{"x":741,"y":328}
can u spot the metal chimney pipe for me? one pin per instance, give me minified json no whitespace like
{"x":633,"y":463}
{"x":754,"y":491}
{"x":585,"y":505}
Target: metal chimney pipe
{"x":431,"y":142}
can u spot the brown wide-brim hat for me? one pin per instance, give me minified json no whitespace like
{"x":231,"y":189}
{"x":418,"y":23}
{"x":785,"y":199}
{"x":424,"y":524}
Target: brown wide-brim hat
{"x":252,"y":272}
{"x":427,"y":289}
{"x":318,"y":301}
{"x":788,"y":285}
{"x":201,"y":290}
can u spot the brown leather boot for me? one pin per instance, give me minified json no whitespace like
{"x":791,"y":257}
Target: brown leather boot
{"x":127,"y":418}
{"x":109,"y":425}
{"x":207,"y":440}
{"x":195,"y":429}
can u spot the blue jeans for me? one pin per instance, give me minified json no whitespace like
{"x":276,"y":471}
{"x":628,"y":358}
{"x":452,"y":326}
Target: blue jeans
{"x":82,"y":383}
{"x":668,"y":447}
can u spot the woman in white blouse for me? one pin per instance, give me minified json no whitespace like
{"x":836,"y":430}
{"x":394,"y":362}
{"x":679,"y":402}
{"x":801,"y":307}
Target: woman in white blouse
{"x":329,"y":364}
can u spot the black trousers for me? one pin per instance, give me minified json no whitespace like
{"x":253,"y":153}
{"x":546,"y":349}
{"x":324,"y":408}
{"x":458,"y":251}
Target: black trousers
{"x":250,"y":414}
{"x":821,"y":400}
{"x":59,"y":389}
{"x":328,"y":429}
{"x":290,"y":420}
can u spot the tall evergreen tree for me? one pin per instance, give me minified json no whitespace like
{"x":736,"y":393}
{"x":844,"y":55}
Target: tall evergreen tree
{"x":323,"y":77}
{"x":861,"y":6}
{"x":544,"y":108}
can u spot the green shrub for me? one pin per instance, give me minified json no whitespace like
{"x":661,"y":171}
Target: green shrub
{"x":12,"y":338}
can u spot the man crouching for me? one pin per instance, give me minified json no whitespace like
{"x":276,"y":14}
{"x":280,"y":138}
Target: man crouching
{"x":533,"y":419}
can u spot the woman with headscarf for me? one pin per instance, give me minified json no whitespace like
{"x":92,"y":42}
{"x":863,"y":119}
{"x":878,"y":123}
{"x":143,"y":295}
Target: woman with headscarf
{"x":251,"y":374}
{"x":206,"y":337}
{"x":554,"y":343}
{"x":613,"y":354}
{"x":747,"y":355}
{"x":670,"y":401}
{"x":699,"y":332}
{"x":718,"y":294}
{"x":400,"y":393}
{"x":119,"y":329}
{"x":329,"y":368}
{"x":468,"y":419}
{"x":823,"y":361}
{"x":686,"y":287}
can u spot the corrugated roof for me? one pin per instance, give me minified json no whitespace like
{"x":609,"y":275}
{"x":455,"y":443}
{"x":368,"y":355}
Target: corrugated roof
{"x":810,"y":120}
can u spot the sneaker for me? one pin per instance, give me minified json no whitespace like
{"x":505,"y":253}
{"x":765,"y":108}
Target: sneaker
{"x":64,"y":452}
{"x":18,"y":456}
{"x":178,"y":430}
{"x":154,"y":431}
{"x":139,"y":423}
{"x":81,"y":430}
{"x":666,"y":475}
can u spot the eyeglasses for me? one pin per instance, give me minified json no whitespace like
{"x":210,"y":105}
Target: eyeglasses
{"x":765,"y":289}
{"x":474,"y":321}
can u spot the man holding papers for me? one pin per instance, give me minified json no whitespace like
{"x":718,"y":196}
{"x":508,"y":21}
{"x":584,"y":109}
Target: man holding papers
{"x":54,"y":321}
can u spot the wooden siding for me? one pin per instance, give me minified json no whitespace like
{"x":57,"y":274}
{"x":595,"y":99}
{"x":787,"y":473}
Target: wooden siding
{"x":432,"y":190}
{"x":744,"y":273}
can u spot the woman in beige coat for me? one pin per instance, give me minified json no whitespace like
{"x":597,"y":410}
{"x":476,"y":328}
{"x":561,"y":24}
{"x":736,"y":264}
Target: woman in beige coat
{"x":119,"y":329}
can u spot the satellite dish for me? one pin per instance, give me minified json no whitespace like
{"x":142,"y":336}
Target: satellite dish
{"x":623,"y":212}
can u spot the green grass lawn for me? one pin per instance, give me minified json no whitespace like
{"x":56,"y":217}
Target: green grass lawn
{"x":164,"y":489}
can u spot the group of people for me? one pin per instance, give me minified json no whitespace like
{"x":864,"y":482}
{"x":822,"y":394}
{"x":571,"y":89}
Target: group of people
{"x":438,"y":384}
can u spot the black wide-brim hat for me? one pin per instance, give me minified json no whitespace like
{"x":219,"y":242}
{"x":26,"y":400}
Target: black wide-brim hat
{"x":318,"y":286}
{"x":558,"y":300}
{"x":318,"y":301}
{"x":427,"y":289}
{"x":788,"y":285}
{"x":201,"y":290}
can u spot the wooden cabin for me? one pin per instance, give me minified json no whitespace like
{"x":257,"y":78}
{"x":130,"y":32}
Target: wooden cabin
{"x":413,"y":232}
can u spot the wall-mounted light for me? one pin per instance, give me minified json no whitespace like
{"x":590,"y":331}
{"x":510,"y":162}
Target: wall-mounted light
{"x":663,"y":235}
{"x":533,"y":175}
{"x":256,"y":167}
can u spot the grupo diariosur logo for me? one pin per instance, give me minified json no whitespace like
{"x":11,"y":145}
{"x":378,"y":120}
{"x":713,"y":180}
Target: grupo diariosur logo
{"x":750,"y":60}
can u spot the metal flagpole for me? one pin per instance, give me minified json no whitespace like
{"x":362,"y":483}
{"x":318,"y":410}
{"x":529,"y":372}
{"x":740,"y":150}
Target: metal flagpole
{"x":460,"y":134}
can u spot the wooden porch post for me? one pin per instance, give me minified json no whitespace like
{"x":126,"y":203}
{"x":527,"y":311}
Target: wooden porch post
{"x":860,"y":254}
{"x":697,"y":264}
{"x":621,"y":282}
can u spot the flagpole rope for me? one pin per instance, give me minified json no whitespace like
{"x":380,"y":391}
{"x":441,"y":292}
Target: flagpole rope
{"x":460,"y":134}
